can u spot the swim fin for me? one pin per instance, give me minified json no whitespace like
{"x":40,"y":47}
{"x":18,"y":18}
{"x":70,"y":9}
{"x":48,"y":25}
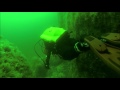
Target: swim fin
{"x":112,"y":39}
{"x":109,"y":54}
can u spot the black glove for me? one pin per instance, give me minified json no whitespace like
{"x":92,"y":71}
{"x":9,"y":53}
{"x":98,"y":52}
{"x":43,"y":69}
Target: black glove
{"x":83,"y":46}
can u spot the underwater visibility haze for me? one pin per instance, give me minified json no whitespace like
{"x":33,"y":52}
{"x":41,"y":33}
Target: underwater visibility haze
{"x":20,"y":31}
{"x":24,"y":28}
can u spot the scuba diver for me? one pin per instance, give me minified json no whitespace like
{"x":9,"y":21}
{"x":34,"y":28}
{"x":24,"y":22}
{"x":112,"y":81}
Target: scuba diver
{"x":65,"y":47}
{"x":57,"y":41}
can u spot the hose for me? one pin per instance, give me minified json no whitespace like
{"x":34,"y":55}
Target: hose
{"x":36,"y":51}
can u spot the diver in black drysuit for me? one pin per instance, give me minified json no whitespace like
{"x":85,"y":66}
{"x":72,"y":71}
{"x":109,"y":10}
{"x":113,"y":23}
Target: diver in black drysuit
{"x":67,"y":48}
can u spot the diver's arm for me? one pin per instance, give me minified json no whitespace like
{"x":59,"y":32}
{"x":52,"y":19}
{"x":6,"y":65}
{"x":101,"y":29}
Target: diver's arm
{"x":47,"y":60}
{"x":48,"y":50}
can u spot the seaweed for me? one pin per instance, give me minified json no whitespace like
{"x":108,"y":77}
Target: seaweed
{"x":91,"y":23}
{"x":7,"y":49}
{"x":13,"y":63}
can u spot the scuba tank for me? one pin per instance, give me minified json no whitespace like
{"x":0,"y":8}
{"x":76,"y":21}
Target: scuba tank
{"x":50,"y":35}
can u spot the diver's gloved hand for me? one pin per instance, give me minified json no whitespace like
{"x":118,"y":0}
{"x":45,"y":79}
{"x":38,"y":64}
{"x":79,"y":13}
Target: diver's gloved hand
{"x":81,"y":46}
{"x":47,"y":66}
{"x":84,"y":46}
